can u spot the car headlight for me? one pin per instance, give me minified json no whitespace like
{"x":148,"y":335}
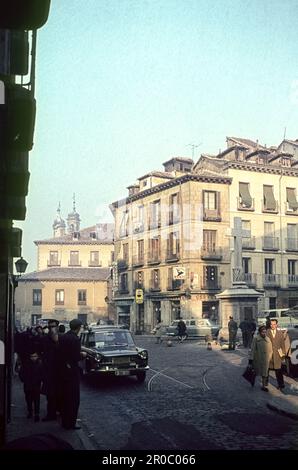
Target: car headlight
{"x":143,"y":354}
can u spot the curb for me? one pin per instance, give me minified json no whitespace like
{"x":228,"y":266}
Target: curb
{"x":85,"y":440}
{"x":282,"y":411}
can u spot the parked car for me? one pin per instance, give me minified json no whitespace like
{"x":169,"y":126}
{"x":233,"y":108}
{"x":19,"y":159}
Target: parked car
{"x":111,"y":351}
{"x":195,"y":328}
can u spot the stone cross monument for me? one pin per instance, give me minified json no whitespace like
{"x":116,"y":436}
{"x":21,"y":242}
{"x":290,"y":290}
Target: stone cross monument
{"x":238,"y":233}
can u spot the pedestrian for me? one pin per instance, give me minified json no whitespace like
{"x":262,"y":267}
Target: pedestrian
{"x":232,"y":327}
{"x":50,"y":358}
{"x":70,"y":355}
{"x":31,"y":375}
{"x":245,"y":330}
{"x":261,"y":355}
{"x":61,"y":329}
{"x":279,"y":351}
{"x":252,"y":329}
{"x":158,"y":332}
{"x":182,"y":335}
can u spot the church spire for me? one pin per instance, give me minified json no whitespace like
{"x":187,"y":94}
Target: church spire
{"x":59,"y":224}
{"x":73,"y":219}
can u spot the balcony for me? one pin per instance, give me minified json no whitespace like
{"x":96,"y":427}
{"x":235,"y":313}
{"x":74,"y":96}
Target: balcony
{"x":174,"y":284}
{"x":271,"y":280}
{"x":270,"y":243}
{"x":242,"y":207}
{"x":154,"y":286}
{"x":292,"y":280}
{"x":210,"y":284}
{"x":172,"y":257}
{"x":123,"y":289}
{"x":270,"y":210}
{"x":211,"y":252}
{"x":53,"y":263}
{"x":154,"y":258}
{"x":74,"y":264}
{"x":94,"y":264}
{"x":250,"y":279}
{"x":249,"y":243}
{"x":291,"y":244}
{"x":138,"y":260}
{"x":211,"y":215}
{"x":138,"y":227}
{"x":289,"y":211}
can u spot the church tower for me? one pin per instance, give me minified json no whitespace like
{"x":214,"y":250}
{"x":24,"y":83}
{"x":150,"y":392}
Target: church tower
{"x":59,"y":224}
{"x":73,"y":219}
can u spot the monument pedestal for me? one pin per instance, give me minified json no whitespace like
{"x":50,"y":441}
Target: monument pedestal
{"x":239,"y":302}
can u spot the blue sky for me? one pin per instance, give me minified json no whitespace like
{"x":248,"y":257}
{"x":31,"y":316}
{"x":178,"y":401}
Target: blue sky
{"x":124,"y":85}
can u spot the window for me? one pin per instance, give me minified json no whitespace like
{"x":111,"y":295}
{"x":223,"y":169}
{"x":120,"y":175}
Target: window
{"x":139,"y":279}
{"x":53,"y":261}
{"x":268,"y":229}
{"x":82,"y":297}
{"x":125,"y":252}
{"x":124,"y":282}
{"x":140,"y":249}
{"x":173,"y":243}
{"x":155,"y":215}
{"x":292,"y":239}
{"x":269,"y":202}
{"x":246,"y":224}
{"x":36,"y":297}
{"x":246,"y":265}
{"x":210,"y":200}
{"x":272,"y":303}
{"x":292,"y":267}
{"x":245,"y":198}
{"x":59,"y":297}
{"x":155,"y":279}
{"x":269,"y":266}
{"x":292,"y":204}
{"x":94,"y":258}
{"x":174,"y":213}
{"x":154,"y":248}
{"x":74,"y":258}
{"x":209,"y":240}
{"x":210,"y":276}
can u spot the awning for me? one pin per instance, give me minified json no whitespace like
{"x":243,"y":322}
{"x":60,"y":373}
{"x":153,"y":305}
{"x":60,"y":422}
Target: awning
{"x":270,"y":203}
{"x":244,"y":194}
{"x":291,"y":199}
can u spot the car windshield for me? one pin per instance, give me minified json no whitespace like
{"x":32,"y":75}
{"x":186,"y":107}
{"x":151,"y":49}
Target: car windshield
{"x":111,"y":339}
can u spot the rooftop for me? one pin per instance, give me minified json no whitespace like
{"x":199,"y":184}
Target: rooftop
{"x":99,"y":234}
{"x":67,"y":274}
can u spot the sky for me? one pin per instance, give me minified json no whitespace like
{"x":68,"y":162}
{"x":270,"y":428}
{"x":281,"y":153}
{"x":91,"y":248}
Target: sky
{"x":124,"y":85}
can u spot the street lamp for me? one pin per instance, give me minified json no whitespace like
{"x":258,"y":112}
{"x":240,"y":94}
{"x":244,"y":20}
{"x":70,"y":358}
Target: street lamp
{"x":21,"y":266}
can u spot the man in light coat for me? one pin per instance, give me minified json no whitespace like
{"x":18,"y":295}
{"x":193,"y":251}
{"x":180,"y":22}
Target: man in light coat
{"x":261,"y":355}
{"x":279,"y":351}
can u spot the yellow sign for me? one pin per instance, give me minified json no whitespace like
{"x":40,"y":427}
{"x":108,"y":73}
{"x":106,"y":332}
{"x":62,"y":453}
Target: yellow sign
{"x":139,"y":296}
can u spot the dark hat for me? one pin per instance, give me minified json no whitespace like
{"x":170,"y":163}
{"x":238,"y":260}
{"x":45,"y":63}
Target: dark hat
{"x":75,"y":323}
{"x":53,"y":321}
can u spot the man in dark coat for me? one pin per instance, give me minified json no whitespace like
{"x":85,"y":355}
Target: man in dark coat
{"x":245,"y":330}
{"x":279,"y":351}
{"x":181,"y":330}
{"x":31,"y":375}
{"x":50,"y":351}
{"x":232,"y":327}
{"x":70,"y":355}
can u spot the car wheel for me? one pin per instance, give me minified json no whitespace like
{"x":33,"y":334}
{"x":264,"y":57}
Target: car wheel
{"x":141,"y":376}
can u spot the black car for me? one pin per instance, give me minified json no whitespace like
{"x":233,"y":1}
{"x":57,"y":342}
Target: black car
{"x":112,"y":351}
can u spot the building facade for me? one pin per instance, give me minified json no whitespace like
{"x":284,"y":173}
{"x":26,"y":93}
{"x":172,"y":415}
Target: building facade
{"x":73,"y":277}
{"x":263,"y":193}
{"x":172,"y":253}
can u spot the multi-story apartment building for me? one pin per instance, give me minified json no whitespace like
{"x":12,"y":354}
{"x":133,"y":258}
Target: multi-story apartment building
{"x":73,"y":279}
{"x":263,"y":193}
{"x":171,"y":246}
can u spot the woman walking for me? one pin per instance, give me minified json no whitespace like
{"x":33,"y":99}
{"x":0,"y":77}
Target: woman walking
{"x":260,"y":355}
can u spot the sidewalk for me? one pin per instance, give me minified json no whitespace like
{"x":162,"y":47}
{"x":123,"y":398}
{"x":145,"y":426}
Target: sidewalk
{"x":20,"y":426}
{"x":286,"y":402}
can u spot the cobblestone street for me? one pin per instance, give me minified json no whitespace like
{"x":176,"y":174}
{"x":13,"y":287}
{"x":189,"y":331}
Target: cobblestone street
{"x":192,"y":399}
